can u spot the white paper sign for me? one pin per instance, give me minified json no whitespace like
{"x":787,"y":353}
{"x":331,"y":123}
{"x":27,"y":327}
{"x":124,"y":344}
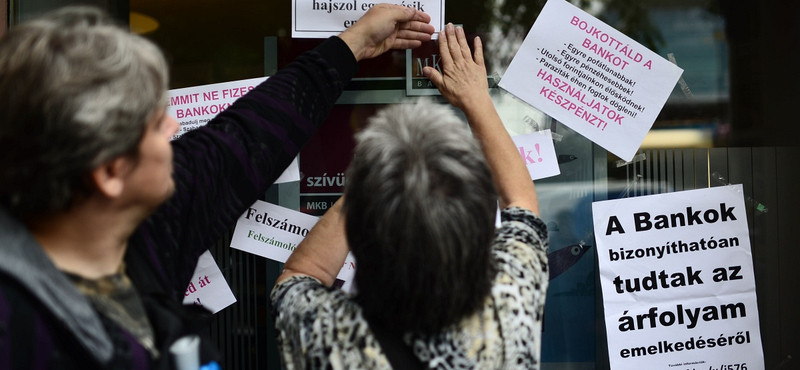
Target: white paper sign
{"x":591,"y":77}
{"x":324,"y":18}
{"x":194,"y":106}
{"x":208,"y":287}
{"x":274,"y":232}
{"x":676,"y":272}
{"x":538,"y":153}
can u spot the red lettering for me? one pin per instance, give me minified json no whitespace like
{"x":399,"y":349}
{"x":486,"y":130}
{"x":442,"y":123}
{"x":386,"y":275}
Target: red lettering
{"x":211,"y":95}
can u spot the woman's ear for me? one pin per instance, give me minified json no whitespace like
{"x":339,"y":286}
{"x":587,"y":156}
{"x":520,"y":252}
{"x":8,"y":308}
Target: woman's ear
{"x":109,"y":177}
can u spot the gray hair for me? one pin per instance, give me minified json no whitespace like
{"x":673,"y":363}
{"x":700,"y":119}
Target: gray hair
{"x":420,"y":208}
{"x":76,"y":91}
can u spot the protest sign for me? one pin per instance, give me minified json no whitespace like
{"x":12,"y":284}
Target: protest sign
{"x":194,"y":106}
{"x":676,"y":273}
{"x":274,"y":232}
{"x":324,"y":18}
{"x":208,"y":287}
{"x":591,"y":77}
{"x":538,"y":153}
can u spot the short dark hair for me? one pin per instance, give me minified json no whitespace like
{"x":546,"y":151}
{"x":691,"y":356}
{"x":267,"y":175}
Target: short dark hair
{"x":76,"y":90}
{"x":420,"y":209}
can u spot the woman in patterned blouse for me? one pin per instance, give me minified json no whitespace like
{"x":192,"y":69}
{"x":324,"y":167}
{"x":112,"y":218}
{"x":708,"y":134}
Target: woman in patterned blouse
{"x":419,"y":217}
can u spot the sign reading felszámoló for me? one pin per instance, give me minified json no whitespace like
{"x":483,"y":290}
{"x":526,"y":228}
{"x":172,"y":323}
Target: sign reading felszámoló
{"x":274,"y":232}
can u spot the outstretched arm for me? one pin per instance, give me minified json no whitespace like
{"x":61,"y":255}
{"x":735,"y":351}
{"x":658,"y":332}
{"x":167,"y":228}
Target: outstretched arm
{"x":323,"y":251}
{"x":384,"y":27}
{"x":463,"y":83}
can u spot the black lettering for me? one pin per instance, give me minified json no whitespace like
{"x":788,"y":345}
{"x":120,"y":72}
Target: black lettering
{"x":661,"y":222}
{"x":720,"y":274}
{"x":694,"y":217}
{"x":711,"y":216}
{"x":694,"y":277}
{"x":614,"y":225}
{"x":730,"y":309}
{"x":642,"y":221}
{"x":735,"y":272}
{"x":727,"y":213}
{"x":618,"y":285}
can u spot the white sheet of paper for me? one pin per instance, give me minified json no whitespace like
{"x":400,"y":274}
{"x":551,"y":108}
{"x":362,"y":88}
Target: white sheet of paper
{"x":676,"y":270}
{"x":319,"y":19}
{"x":591,"y":77}
{"x":538,"y":153}
{"x":273,"y":232}
{"x":208,"y":287}
{"x":194,"y":106}
{"x":292,"y":173}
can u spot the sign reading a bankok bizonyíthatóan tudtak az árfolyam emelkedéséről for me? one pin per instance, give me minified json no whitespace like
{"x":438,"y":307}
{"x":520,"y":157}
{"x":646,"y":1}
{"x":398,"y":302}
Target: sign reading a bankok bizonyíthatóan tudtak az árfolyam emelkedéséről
{"x":676,"y":271}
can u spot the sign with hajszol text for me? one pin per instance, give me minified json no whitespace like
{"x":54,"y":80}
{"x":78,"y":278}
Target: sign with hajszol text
{"x":208,"y":287}
{"x":324,"y":18}
{"x":274,"y":232}
{"x":676,"y":271}
{"x":591,"y":77}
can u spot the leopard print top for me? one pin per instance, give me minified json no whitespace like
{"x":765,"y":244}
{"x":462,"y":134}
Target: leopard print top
{"x":323,"y":328}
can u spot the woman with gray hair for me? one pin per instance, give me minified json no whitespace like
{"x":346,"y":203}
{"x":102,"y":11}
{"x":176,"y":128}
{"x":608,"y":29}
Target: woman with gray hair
{"x":438,"y":286}
{"x":102,"y":217}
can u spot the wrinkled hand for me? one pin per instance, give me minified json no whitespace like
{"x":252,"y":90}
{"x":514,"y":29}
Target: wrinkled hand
{"x":463,"y":80}
{"x":385,"y":27}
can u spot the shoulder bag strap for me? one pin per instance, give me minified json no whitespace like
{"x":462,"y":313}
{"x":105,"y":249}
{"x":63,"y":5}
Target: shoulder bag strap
{"x":398,"y":353}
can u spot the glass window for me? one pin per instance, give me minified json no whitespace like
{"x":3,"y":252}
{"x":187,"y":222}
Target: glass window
{"x":730,"y":119}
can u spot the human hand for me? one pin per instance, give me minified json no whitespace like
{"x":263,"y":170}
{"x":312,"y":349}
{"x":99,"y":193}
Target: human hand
{"x":463,"y":80}
{"x":386,"y":26}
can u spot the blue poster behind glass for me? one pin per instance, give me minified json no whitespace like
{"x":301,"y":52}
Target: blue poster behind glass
{"x":570,"y":330}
